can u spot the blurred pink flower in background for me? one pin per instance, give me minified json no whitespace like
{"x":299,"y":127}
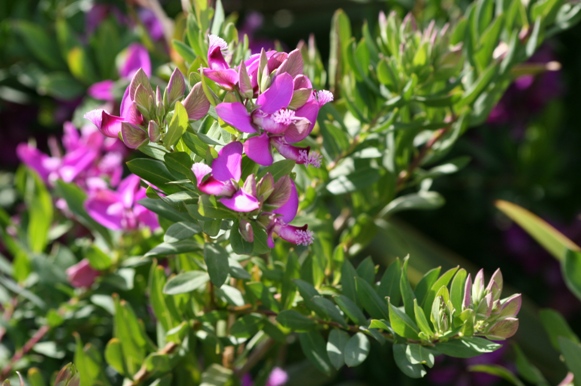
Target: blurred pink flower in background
{"x":82,"y":275}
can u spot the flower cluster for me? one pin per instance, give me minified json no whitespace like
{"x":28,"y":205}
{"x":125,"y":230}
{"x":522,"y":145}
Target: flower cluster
{"x":86,"y":159}
{"x":495,"y":318}
{"x":268,"y":99}
{"x":279,"y":105}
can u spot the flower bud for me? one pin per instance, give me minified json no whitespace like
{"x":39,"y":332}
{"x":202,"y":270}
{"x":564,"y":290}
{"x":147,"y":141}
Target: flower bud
{"x":133,"y":136}
{"x":176,"y":87}
{"x":245,"y":229}
{"x":153,"y":131}
{"x":502,"y":329}
{"x":281,"y":192}
{"x":196,"y":103}
{"x":82,"y":275}
{"x":265,"y":187}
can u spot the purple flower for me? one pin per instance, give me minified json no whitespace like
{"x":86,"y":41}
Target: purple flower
{"x":82,"y":275}
{"x":151,"y":23}
{"x":222,"y":180}
{"x":112,"y":125}
{"x":277,"y":377}
{"x":274,"y":122}
{"x":219,"y":70}
{"x":86,"y":159}
{"x":135,"y":57}
{"x":119,"y":210}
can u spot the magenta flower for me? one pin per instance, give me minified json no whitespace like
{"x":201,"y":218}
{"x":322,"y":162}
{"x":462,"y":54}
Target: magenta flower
{"x":82,"y":275}
{"x":222,"y":180}
{"x":86,"y":157}
{"x":135,"y":57}
{"x":279,"y":219}
{"x":219,"y":70}
{"x":130,"y":117}
{"x":274,"y":122}
{"x":119,"y":210}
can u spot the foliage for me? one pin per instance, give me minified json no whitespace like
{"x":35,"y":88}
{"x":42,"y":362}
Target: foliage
{"x":229,"y":144}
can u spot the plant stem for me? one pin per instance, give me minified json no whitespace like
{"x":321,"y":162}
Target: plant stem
{"x":38,"y":335}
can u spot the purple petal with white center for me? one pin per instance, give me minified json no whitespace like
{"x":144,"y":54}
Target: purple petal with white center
{"x":275,"y":123}
{"x":295,"y":235}
{"x":288,"y":211}
{"x":102,"y":90}
{"x":236,"y":115}
{"x":278,"y":95}
{"x":258,"y":149}
{"x":301,"y":130}
{"x":324,"y":97}
{"x":137,"y":57}
{"x":228,"y":165}
{"x":226,"y":78}
{"x":241,"y":202}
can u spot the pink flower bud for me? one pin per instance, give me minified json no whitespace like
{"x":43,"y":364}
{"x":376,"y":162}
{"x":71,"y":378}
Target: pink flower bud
{"x":82,"y":275}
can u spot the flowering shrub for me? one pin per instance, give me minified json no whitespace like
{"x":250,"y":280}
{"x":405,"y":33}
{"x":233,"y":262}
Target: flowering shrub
{"x":254,"y":189}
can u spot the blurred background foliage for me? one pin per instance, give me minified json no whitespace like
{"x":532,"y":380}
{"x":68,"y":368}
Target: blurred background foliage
{"x":527,"y":152}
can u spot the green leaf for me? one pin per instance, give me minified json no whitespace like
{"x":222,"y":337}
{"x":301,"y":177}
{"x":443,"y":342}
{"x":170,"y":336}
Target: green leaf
{"x":550,"y":238}
{"x":175,"y":248}
{"x":186,"y":282}
{"x":418,"y":354}
{"x":157,"y":363}
{"x":177,"y":126}
{"x":163,"y":306}
{"x":98,"y":259}
{"x":239,"y":245}
{"x":131,"y":335}
{"x":39,"y":42}
{"x":40,"y":210}
{"x":114,"y":357}
{"x":75,"y":198}
{"x":60,"y":85}
{"x":356,"y":350}
{"x":329,"y":309}
{"x":466,"y":347}
{"x":180,"y":163}
{"x":336,"y":347}
{"x":348,"y":276}
{"x":571,"y":269}
{"x":372,"y":303}
{"x":402,"y":324}
{"x":216,"y":258}
{"x":216,"y":375}
{"x":556,"y":326}
{"x":314,"y":348}
{"x":353,"y":182}
{"x":416,"y":201}
{"x":498,"y":371}
{"x":389,"y":284}
{"x":209,"y":207}
{"x":151,"y":170}
{"x":405,"y":288}
{"x":185,"y":52}
{"x":35,"y":377}
{"x":572,"y":353}
{"x":88,"y":362}
{"x":410,"y":369}
{"x":457,"y":288}
{"x":527,"y":370}
{"x":432,"y":292}
{"x":426,"y":283}
{"x":295,"y":321}
{"x":422,"y":321}
{"x":180,"y":231}
{"x":350,"y":309}
{"x":247,"y":326}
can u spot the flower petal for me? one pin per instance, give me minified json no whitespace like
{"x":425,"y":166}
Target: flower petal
{"x":136,"y":57}
{"x":241,"y":202}
{"x":300,"y":130}
{"x":228,"y":165}
{"x":236,"y":115}
{"x":102,"y":90}
{"x":289,"y":209}
{"x":258,"y":149}
{"x":110,"y":125}
{"x":226,"y":78}
{"x":278,"y":95}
